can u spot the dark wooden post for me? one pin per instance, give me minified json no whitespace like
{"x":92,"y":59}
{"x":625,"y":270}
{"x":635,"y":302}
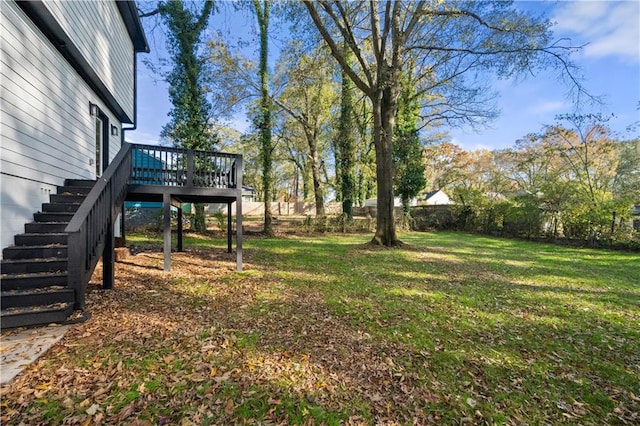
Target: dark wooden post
{"x":108,"y":257}
{"x":180,"y":248}
{"x":239,"y":214}
{"x":190,"y":168}
{"x":229,"y":230}
{"x":77,"y":259}
{"x":166,"y":200}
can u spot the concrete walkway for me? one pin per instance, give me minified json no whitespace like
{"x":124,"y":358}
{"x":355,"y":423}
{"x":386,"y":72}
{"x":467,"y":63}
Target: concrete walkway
{"x":20,"y":348}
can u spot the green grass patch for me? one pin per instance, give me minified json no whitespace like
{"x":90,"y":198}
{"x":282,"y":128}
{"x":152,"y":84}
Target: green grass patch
{"x":451,"y":329}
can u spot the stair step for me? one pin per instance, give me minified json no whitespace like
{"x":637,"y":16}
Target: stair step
{"x":60,"y":207}
{"x":52,"y":217}
{"x":80,"y":182}
{"x":35,"y":297}
{"x":61,"y":198}
{"x":31,"y":266}
{"x":31,"y":281}
{"x":23,"y":317}
{"x":33,"y":252}
{"x":45,"y":227}
{"x":41,"y":239}
{"x":73,"y":190}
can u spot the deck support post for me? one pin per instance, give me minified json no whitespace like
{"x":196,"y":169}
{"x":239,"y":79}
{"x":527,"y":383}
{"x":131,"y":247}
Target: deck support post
{"x":180,"y":247}
{"x":108,"y":258}
{"x":166,"y":200}
{"x":239,"y":233}
{"x":229,"y":230}
{"x":238,"y":214}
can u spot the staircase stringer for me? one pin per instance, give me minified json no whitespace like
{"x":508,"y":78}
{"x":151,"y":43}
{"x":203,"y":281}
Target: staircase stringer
{"x":91,"y":228}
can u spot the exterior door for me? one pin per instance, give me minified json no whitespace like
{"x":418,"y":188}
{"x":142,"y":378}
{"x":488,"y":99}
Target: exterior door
{"x":99,"y":146}
{"x":102,"y":143}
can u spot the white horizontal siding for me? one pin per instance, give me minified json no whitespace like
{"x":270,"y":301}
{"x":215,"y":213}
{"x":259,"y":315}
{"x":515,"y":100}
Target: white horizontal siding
{"x":98,"y":31}
{"x":44,"y":103}
{"x":46,"y":132}
{"x":18,"y":201}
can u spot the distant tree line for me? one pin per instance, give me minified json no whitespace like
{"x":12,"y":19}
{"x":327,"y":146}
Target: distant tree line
{"x":573,"y":180}
{"x":358,"y":95}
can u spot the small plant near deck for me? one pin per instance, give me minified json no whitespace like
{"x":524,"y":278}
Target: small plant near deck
{"x":221,"y":220}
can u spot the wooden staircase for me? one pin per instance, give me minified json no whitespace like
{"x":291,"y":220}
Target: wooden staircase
{"x":44,"y":275}
{"x":34,"y":285}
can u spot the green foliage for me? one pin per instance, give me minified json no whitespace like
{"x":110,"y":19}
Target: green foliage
{"x":346,"y":146}
{"x":191,"y":115}
{"x":191,"y":112}
{"x":627,"y":180}
{"x":365,"y":186}
{"x":307,"y":100}
{"x":221,"y":220}
{"x":567,"y":182}
{"x":408,"y":161}
{"x":263,"y":122}
{"x":522,"y":216}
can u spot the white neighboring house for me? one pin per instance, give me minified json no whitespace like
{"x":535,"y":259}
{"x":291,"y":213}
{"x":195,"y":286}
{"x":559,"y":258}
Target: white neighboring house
{"x":68,"y":84}
{"x":437,"y":198}
{"x":397,"y":202}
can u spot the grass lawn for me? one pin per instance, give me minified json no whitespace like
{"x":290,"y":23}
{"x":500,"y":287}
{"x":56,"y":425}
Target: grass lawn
{"x":452,"y":329}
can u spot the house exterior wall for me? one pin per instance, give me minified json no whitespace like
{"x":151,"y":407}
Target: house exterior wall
{"x":97,"y":30}
{"x":46,"y":131}
{"x":438,"y":199}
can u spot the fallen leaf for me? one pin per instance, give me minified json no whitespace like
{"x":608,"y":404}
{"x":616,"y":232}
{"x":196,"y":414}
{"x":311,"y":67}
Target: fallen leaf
{"x":126,"y":411}
{"x":228,"y":407}
{"x":92,"y":410}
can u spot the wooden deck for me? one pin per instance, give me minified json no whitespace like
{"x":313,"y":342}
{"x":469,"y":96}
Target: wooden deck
{"x":174,"y":176}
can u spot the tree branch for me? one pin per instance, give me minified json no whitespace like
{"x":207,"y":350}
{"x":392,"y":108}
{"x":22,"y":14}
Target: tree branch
{"x":335,"y":49}
{"x":143,"y":14}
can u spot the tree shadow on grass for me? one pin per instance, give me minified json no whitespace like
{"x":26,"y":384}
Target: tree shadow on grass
{"x":311,"y":332}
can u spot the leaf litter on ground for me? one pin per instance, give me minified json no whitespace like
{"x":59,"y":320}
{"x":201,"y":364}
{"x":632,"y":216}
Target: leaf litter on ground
{"x":206,"y":345}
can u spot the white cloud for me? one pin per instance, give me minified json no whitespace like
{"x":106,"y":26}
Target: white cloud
{"x":612,"y":28}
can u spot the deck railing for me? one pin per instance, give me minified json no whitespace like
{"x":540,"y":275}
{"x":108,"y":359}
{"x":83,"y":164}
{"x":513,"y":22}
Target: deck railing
{"x":169,"y":166}
{"x":91,"y":228}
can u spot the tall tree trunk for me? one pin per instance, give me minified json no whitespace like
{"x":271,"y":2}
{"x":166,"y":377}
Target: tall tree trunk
{"x":385,"y":105}
{"x":262,"y":13}
{"x":315,"y":173}
{"x":191,"y":110}
{"x":346,"y":146}
{"x":338,"y":169}
{"x":305,"y":182}
{"x":199,"y":220}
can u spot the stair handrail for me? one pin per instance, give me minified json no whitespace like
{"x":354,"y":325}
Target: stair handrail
{"x":93,"y":222}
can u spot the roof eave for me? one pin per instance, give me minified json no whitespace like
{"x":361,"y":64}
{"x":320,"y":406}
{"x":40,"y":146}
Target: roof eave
{"x":129,"y":13}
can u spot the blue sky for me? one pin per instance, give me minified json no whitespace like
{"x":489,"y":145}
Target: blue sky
{"x":610,"y":65}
